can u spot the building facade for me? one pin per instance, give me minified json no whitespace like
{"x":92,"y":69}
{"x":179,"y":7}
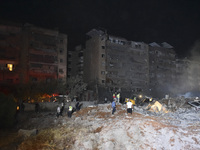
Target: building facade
{"x":115,"y":63}
{"x":35,"y":54}
{"x":75,"y":62}
{"x":162,"y":62}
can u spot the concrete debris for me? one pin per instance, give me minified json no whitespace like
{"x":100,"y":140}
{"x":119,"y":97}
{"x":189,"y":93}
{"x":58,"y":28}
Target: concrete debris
{"x":27,"y":133}
{"x":196,"y":104}
{"x":157,"y":107}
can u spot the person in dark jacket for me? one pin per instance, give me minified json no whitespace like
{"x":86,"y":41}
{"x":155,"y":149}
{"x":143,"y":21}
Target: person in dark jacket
{"x":113,"y":106}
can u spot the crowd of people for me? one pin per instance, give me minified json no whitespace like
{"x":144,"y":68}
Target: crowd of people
{"x":70,"y":109}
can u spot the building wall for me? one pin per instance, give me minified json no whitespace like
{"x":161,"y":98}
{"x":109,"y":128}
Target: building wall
{"x":162,"y":69}
{"x":9,"y":53}
{"x":93,"y":61}
{"x":62,"y":57}
{"x":75,"y":61}
{"x":116,"y":63}
{"x":127,"y":64}
{"x":38,"y":55}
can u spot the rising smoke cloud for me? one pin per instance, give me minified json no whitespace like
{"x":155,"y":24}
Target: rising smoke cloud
{"x":189,"y":80}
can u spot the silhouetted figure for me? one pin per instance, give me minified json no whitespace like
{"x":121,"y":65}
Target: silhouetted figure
{"x":58,"y":111}
{"x":62,"y":108}
{"x":22,"y":107}
{"x":37,"y":107}
{"x":77,"y":106}
{"x":113,"y":104}
{"x":69,"y":113}
{"x":105,"y":100}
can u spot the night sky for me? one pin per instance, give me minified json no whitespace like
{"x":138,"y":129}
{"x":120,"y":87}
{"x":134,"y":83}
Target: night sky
{"x":174,"y":21}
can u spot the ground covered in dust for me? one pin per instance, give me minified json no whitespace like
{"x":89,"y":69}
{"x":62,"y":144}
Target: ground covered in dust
{"x":95,"y":127}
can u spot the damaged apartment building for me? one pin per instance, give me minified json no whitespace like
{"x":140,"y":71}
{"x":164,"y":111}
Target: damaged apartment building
{"x":114,"y":64}
{"x":75,"y":62}
{"x":162,"y":69}
{"x":31,"y":54}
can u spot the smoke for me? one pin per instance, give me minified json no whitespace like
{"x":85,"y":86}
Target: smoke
{"x":189,"y":80}
{"x":195,"y":52}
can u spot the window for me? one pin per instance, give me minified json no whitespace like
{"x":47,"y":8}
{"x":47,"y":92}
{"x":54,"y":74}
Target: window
{"x":10,"y":67}
{"x":102,"y":72}
{"x":61,"y":60}
{"x":103,"y":47}
{"x":9,"y":80}
{"x":61,"y":51}
{"x":34,"y":79}
{"x":102,"y":55}
{"x":61,"y":71}
{"x":103,"y":81}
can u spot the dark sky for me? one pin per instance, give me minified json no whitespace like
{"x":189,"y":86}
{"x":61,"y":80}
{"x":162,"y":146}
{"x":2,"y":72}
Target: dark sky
{"x":174,"y":21}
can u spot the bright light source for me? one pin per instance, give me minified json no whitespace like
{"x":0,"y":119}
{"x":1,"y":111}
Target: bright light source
{"x":10,"y":67}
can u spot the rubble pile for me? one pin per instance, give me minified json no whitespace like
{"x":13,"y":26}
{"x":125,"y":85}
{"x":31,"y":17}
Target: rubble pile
{"x":162,"y":124}
{"x":156,"y":107}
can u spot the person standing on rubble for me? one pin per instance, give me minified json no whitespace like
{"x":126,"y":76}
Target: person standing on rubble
{"x":113,"y":95}
{"x":37,"y":106}
{"x":118,"y":97}
{"x":129,"y":107}
{"x":77,"y":106}
{"x":69,"y":113}
{"x":58,"y":111}
{"x":62,"y":108}
{"x":114,"y":106}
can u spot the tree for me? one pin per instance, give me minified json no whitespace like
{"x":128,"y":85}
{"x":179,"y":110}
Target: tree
{"x":8,"y":109}
{"x":76,"y":86}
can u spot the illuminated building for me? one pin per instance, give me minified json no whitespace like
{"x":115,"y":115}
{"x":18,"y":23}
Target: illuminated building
{"x":31,"y":54}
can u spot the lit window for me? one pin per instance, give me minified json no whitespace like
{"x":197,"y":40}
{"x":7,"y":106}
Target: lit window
{"x":10,"y":67}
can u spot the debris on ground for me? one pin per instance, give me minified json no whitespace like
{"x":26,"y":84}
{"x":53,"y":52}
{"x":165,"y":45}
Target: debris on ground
{"x":162,"y":126}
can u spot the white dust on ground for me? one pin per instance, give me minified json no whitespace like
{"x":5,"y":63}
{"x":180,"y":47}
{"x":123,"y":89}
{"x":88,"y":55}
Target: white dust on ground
{"x":143,"y":130}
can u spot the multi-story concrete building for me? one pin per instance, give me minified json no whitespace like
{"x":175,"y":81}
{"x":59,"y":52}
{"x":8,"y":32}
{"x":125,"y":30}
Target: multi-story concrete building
{"x":9,"y":53}
{"x":162,"y":69}
{"x":115,"y":63}
{"x":36,"y":54}
{"x":75,"y":62}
